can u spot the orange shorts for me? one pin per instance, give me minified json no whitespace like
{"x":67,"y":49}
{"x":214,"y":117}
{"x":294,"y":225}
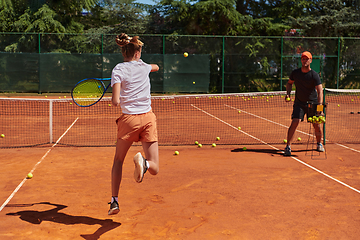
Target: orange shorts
{"x":137,"y":127}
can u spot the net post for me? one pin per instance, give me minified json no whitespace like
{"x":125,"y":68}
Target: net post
{"x":50,"y":120}
{"x":223,"y":65}
{"x":324,"y":111}
{"x":281,"y":63}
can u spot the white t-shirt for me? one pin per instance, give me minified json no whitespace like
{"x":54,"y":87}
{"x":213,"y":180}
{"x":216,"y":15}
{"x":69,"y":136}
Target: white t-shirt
{"x":134,"y":78}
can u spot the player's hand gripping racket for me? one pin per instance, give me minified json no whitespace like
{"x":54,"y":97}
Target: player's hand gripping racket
{"x":89,"y":91}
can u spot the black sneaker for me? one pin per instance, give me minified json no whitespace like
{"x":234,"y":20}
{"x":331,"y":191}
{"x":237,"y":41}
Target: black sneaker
{"x":140,"y":167}
{"x":287,"y":151}
{"x":114,"y":208}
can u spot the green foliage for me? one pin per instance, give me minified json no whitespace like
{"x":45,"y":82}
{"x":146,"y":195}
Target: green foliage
{"x":329,"y":18}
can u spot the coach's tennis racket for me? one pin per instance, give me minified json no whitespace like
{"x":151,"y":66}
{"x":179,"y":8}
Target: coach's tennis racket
{"x":89,"y":91}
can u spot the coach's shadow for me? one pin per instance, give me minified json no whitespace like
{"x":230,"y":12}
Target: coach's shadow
{"x":270,"y":151}
{"x":53,"y":215}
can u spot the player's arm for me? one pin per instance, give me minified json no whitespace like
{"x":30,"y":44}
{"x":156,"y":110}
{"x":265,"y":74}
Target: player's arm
{"x":115,"y":99}
{"x":289,"y":88}
{"x":154,"y":67}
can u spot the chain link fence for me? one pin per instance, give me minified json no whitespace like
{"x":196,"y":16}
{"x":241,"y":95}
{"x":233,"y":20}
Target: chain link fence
{"x":43,"y":62}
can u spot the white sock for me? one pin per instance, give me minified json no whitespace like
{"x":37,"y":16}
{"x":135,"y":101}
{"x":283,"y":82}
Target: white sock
{"x":147,"y":164}
{"x":114,"y":198}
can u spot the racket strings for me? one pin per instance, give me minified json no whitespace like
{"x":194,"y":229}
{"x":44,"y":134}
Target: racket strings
{"x":88,"y":92}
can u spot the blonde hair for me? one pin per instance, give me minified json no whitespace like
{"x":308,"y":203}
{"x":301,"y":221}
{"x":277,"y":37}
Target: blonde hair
{"x":129,"y":45}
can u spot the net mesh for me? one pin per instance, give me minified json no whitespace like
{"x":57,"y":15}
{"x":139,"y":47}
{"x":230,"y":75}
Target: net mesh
{"x":343,"y":115}
{"x":244,"y":118}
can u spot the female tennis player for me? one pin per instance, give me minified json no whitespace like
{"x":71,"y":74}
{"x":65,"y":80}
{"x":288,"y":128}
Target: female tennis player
{"x":131,"y":90}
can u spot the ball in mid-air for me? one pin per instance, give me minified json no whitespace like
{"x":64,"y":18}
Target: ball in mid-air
{"x":214,"y":145}
{"x":299,"y":139}
{"x":186,"y":54}
{"x":199,"y":145}
{"x":176,"y":152}
{"x":29,"y":176}
{"x":239,"y":128}
{"x":285,"y":141}
{"x":2,"y":135}
{"x":196,"y":142}
{"x":217,"y":138}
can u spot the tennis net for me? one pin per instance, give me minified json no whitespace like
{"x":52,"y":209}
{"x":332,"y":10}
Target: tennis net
{"x":242,"y":118}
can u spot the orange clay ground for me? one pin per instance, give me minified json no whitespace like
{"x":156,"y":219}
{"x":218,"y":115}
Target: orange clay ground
{"x":202,"y":193}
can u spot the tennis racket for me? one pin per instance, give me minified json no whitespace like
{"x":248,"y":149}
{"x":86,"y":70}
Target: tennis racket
{"x":89,"y":91}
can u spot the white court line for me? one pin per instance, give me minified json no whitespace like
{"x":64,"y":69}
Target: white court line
{"x":298,"y":160}
{"x":33,"y":169}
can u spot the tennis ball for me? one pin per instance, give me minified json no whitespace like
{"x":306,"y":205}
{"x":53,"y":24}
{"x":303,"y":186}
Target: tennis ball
{"x":310,"y":119}
{"x":186,"y":54}
{"x":299,"y":139}
{"x":199,"y":145}
{"x":176,"y":152}
{"x":193,"y":82}
{"x":109,"y":105}
{"x":285,"y":141}
{"x":46,"y":96}
{"x":338,"y":105}
{"x":239,"y":112}
{"x":244,"y":148}
{"x":2,"y":135}
{"x":288,"y":99}
{"x":196,"y":142}
{"x":217,"y":138}
{"x":214,"y":145}
{"x":239,"y":128}
{"x":29,"y":176}
{"x":70,"y":103}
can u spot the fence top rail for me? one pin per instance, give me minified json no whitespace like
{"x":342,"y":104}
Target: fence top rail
{"x":166,"y":35}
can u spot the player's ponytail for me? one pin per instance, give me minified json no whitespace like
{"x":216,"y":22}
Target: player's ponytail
{"x":129,"y":45}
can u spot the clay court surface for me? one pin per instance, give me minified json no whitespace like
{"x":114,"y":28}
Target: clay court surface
{"x":202,"y":193}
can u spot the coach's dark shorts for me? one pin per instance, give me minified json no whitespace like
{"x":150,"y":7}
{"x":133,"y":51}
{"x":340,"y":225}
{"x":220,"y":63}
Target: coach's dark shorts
{"x":300,"y":109}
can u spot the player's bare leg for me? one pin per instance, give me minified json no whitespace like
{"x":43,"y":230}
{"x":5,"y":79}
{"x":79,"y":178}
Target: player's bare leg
{"x":151,"y":150}
{"x":122,"y":148}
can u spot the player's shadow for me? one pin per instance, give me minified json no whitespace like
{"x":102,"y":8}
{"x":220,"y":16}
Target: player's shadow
{"x":53,"y":215}
{"x":270,"y":151}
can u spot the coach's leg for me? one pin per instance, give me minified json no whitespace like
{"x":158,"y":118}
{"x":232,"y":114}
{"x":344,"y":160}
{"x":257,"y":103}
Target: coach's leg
{"x":317,"y":132}
{"x":294,"y":124}
{"x":151,"y":150}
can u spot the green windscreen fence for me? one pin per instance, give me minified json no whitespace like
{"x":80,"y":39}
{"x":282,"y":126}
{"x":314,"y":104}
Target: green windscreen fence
{"x":31,"y":62}
{"x":186,"y":74}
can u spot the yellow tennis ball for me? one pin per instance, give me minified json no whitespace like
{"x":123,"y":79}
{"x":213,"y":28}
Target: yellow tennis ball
{"x":239,"y":128}
{"x":176,"y":152}
{"x":193,"y":82}
{"x":288,"y":99}
{"x":217,"y":138}
{"x":199,"y":145}
{"x":299,"y":139}
{"x":29,"y":176}
{"x":186,"y":54}
{"x":196,"y":142}
{"x":2,"y":135}
{"x":214,"y":145}
{"x":285,"y":141}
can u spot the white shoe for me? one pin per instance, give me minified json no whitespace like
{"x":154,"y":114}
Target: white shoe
{"x":140,"y":167}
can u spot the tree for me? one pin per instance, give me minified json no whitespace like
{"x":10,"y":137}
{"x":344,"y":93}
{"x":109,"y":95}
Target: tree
{"x":330,"y":18}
